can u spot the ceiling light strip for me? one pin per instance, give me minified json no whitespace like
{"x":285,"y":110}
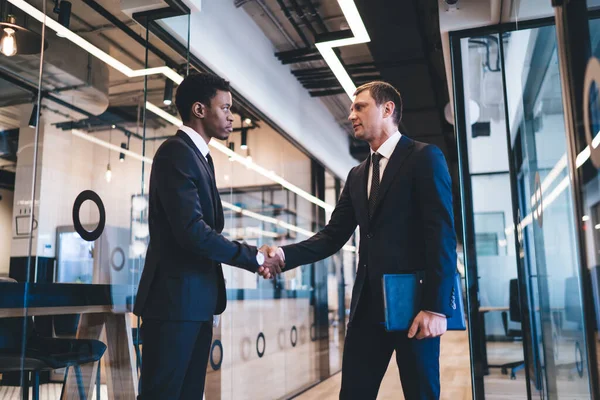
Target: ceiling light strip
{"x":247,"y":162}
{"x":90,"y":48}
{"x":278,"y":222}
{"x":110,"y":146}
{"x":360,"y":36}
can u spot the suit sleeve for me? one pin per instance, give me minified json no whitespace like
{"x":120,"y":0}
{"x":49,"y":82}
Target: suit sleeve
{"x":178,"y":192}
{"x":330,"y":239}
{"x":434,"y":193}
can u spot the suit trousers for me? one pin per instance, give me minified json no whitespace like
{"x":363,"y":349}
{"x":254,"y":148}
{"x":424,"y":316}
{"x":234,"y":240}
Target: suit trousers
{"x":367,"y":351}
{"x":174,"y":359}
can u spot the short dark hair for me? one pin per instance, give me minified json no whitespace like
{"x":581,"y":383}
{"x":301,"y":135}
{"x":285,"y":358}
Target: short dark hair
{"x":200,"y":87}
{"x":383,"y":92}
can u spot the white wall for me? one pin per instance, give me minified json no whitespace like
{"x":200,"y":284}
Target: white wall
{"x":227,"y":40}
{"x":489,"y":153}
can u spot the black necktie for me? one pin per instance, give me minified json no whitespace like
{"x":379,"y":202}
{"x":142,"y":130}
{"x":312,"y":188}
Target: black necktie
{"x":211,"y":165}
{"x":376,"y":157}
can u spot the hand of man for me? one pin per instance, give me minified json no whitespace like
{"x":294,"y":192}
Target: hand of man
{"x":273,"y":264}
{"x":427,"y":325}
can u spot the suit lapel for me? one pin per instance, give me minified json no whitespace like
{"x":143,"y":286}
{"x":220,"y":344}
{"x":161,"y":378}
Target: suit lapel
{"x":218,"y":208}
{"x":403,"y":149}
{"x":203,"y":161}
{"x":362,"y":176}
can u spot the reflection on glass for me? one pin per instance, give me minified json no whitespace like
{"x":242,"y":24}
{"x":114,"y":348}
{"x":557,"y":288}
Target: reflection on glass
{"x":501,"y":330}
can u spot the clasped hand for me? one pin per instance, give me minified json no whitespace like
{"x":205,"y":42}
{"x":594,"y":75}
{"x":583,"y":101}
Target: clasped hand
{"x":273,"y":264}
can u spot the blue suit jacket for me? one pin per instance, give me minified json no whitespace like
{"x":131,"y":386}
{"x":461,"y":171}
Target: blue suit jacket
{"x":182,"y":278}
{"x":412,"y":227}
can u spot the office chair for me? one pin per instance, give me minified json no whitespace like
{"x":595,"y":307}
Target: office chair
{"x":514,"y":312}
{"x":42,"y":353}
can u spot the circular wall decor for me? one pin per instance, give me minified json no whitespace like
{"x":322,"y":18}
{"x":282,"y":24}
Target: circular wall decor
{"x":246,"y":348}
{"x":579,"y":359}
{"x":592,"y":75}
{"x":113,"y":264}
{"x":93,"y":197}
{"x":264,"y":344}
{"x":303,"y":334}
{"x":281,"y":338}
{"x":215,"y":366}
{"x":294,"y":336}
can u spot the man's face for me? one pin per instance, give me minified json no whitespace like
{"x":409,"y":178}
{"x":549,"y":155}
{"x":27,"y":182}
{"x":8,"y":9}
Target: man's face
{"x":366,"y":116}
{"x":218,"y":119}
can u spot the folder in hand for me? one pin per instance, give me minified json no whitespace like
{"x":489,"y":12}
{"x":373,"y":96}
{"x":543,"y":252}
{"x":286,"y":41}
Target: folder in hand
{"x":402,"y":295}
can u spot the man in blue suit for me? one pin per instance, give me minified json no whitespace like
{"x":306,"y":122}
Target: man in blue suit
{"x":401,"y":198}
{"x":182,"y":284}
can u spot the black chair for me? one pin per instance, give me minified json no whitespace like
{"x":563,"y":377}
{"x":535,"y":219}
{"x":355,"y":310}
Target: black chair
{"x":42,"y":353}
{"x":514,"y":312}
{"x":136,"y":334}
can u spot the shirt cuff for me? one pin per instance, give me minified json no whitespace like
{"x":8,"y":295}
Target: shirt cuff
{"x":281,"y":253}
{"x":435,"y":313}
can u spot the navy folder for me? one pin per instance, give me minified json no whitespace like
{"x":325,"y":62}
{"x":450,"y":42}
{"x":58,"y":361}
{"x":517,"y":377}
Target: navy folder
{"x":402,"y":295}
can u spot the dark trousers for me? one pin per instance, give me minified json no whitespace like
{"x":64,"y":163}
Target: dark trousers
{"x":174,"y":359}
{"x":367,"y":352}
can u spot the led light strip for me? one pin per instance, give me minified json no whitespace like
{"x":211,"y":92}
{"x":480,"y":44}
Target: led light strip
{"x":561,"y":187}
{"x":279,"y":222}
{"x":248,"y":213}
{"x":360,"y":36}
{"x":90,"y":48}
{"x":245,"y":161}
{"x":118,"y":149}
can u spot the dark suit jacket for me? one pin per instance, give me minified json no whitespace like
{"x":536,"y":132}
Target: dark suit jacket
{"x":412,"y":227}
{"x":182,"y":277}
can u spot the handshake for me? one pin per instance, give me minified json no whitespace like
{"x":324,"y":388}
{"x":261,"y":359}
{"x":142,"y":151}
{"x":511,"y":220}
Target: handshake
{"x":274,"y":261}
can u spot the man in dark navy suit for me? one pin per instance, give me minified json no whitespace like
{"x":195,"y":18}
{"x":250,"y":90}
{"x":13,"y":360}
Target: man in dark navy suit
{"x":401,"y":198}
{"x":182,"y":284}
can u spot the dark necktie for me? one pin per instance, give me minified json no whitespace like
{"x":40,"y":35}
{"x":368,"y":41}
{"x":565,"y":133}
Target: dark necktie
{"x":375,"y":181}
{"x":211,"y":164}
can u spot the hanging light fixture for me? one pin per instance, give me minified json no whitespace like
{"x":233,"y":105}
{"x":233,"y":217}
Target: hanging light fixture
{"x":63,"y":9}
{"x":244,"y":145}
{"x":108,"y":174}
{"x":14,"y":39}
{"x":232,"y":148}
{"x":33,"y":119}
{"x":168,"y":96}
{"x":122,"y":155}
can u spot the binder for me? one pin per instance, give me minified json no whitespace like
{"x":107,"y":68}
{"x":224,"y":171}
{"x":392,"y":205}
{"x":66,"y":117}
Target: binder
{"x":402,"y":299}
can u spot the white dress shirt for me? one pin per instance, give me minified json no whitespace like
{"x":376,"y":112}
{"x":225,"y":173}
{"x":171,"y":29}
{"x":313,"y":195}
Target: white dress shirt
{"x":197,"y":139}
{"x":204,"y":150}
{"x":385,"y":150}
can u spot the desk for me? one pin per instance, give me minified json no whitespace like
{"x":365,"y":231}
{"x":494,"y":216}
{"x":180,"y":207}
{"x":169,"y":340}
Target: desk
{"x":103,"y":308}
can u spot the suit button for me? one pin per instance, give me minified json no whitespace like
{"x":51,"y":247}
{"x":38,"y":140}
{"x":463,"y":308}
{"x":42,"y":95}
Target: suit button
{"x":369,"y":236}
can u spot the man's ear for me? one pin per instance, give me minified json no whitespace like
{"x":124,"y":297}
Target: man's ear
{"x":388,"y":109}
{"x":198,"y":109}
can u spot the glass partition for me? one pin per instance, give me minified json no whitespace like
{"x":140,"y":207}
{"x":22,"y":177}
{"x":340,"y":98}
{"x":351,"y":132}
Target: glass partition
{"x":526,"y":254}
{"x":80,"y":177}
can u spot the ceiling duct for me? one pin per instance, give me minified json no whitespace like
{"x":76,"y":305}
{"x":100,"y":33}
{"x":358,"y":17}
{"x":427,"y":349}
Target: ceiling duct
{"x":69,"y":73}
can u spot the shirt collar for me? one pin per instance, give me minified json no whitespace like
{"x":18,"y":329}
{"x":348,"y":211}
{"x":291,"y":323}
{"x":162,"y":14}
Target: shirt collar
{"x":197,"y":139}
{"x":387,"y":148}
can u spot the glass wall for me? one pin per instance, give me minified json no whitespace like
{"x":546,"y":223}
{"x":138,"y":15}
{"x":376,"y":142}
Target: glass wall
{"x":74,"y":213}
{"x":511,"y":125}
